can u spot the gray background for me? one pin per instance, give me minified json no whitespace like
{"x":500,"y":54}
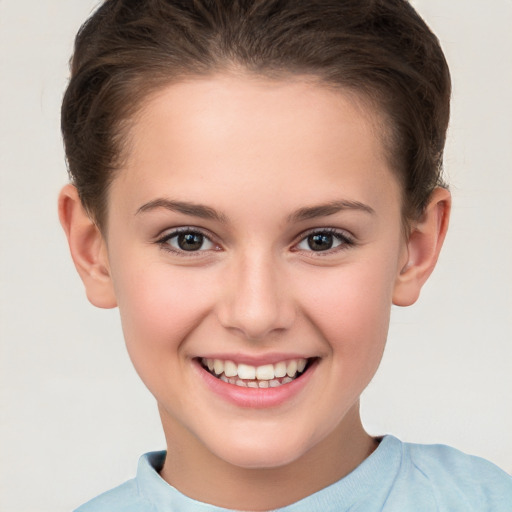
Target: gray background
{"x":73,"y":416}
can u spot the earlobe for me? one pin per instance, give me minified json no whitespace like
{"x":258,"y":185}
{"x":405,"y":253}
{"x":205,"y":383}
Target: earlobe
{"x":423,"y":248}
{"x":88,"y":249}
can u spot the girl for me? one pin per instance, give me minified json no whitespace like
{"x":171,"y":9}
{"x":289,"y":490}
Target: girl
{"x":254,"y":184}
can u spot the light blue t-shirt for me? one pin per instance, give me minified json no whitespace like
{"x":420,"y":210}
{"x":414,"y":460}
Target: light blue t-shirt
{"x":397,"y":477}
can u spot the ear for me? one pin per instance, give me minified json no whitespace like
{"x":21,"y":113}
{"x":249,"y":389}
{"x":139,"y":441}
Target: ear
{"x":423,"y":248}
{"x":88,"y":249}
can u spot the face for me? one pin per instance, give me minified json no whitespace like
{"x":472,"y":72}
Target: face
{"x":254,"y":240}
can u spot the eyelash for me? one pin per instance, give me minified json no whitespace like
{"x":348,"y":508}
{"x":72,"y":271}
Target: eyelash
{"x":344,"y":239}
{"x":163,"y":242}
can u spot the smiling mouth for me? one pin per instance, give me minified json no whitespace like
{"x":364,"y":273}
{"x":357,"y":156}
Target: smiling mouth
{"x":264,"y":376}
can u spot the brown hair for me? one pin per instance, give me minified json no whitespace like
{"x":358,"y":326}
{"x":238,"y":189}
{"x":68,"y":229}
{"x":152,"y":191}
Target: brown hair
{"x":381,"y":49}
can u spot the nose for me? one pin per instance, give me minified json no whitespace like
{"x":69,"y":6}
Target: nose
{"x":256,"y":301}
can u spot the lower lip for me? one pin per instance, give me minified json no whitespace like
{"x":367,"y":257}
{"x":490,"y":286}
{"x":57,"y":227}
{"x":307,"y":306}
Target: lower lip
{"x":255,"y":398}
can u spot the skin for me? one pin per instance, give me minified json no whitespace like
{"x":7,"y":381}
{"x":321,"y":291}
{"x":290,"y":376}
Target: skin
{"x":257,"y":153}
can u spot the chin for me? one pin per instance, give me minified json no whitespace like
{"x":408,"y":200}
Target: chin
{"x":258,"y":453}
{"x":260,"y":459}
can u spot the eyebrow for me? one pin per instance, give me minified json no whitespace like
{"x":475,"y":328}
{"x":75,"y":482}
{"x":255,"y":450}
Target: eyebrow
{"x":205,"y":212}
{"x":323,"y":210}
{"x":196,"y":210}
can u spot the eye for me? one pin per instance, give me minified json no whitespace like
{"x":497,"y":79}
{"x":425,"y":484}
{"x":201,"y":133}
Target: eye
{"x":186,"y":240}
{"x":324,"y":240}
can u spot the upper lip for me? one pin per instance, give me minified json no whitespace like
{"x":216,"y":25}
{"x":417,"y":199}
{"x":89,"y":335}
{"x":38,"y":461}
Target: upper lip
{"x":254,"y":360}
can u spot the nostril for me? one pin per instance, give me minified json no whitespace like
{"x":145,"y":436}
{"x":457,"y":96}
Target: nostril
{"x":256,"y":321}
{"x":255,"y":301}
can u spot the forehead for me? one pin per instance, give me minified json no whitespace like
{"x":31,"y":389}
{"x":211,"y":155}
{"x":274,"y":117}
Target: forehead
{"x":300,"y":139}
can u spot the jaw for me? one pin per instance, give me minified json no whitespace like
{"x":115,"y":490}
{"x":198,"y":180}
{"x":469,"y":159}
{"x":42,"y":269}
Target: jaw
{"x":268,"y":483}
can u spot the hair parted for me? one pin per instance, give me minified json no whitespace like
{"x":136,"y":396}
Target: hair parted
{"x":380,"y":49}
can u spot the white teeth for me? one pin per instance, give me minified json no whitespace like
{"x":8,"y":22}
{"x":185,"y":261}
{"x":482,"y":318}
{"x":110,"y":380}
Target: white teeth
{"x":230,"y":369}
{"x":265,"y":372}
{"x":291,"y":368}
{"x":280,"y":369}
{"x":218,"y":366}
{"x":266,"y":375}
{"x":252,"y":384}
{"x":246,"y":372}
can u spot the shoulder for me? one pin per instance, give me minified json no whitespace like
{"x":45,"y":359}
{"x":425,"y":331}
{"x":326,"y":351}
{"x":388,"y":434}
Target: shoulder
{"x":136,"y":495}
{"x":124,"y":498}
{"x":455,"y":478}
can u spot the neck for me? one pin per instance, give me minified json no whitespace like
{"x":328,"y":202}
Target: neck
{"x":199,"y":474}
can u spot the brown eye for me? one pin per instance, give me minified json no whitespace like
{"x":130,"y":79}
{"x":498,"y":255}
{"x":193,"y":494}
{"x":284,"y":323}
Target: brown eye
{"x":187,"y":241}
{"x":326,"y":240}
{"x":320,"y":241}
{"x":190,"y":241}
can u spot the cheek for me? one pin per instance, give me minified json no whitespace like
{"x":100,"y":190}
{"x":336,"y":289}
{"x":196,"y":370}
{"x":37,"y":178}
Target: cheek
{"x":351,"y":307}
{"x":159,"y":307}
